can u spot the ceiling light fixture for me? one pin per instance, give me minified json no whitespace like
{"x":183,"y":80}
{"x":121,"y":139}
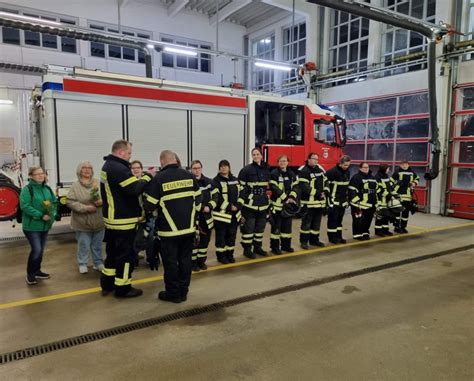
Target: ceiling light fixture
{"x":29,"y":19}
{"x":151,"y":46}
{"x":180,"y":51}
{"x":5,"y":102}
{"x":273,"y":66}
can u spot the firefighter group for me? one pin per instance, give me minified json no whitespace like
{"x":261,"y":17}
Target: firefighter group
{"x":172,"y":213}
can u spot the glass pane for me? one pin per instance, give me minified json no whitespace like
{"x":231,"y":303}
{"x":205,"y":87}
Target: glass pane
{"x":302,"y":31}
{"x":364,"y":48}
{"x":115,"y":51}
{"x":431,"y":11}
{"x":181,"y":61}
{"x":466,"y":152}
{"x":382,"y":130}
{"x":50,"y":41}
{"x":302,"y":48}
{"x":355,"y":131}
{"x":355,"y":151}
{"x":413,"y":104}
{"x":344,"y":17}
{"x":465,"y":125}
{"x":32,"y":38}
{"x":353,"y":52}
{"x":167,"y":60}
{"x":413,"y":128}
{"x":416,"y":39}
{"x":355,"y":110}
{"x":468,"y":98}
{"x":129,"y":54}
{"x":463,"y":178}
{"x":389,"y":42}
{"x":324,"y":133}
{"x":417,"y":8}
{"x":336,"y":108}
{"x":192,"y":63}
{"x":68,"y":45}
{"x":412,"y":151}
{"x":205,"y":66}
{"x":342,"y":55}
{"x":420,"y":171}
{"x":334,"y":36}
{"x":97,"y":49}
{"x":403,"y":8}
{"x":365,"y":27}
{"x":11,"y":36}
{"x":343,"y":34}
{"x":380,"y":151}
{"x":401,"y":36}
{"x":355,"y":29}
{"x":383,"y":107}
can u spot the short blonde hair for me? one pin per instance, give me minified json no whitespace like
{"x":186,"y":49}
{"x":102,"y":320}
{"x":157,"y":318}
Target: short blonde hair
{"x":33,"y":169}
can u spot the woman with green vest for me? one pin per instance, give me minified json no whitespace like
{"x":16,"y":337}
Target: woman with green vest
{"x":39,"y":207}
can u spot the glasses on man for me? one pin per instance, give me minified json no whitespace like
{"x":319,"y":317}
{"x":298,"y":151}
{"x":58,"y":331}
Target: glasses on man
{"x":38,"y":174}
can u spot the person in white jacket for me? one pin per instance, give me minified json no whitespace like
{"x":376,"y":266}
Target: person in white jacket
{"x":86,"y":205}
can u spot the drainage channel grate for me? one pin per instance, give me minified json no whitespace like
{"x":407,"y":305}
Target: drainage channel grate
{"x":91,"y":337}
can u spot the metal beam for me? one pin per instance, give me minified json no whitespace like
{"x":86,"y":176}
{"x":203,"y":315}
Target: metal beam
{"x":228,"y":10}
{"x":176,"y":7}
{"x":287,"y":5}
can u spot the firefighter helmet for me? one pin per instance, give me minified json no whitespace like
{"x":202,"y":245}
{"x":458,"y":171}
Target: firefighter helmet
{"x":290,"y":209}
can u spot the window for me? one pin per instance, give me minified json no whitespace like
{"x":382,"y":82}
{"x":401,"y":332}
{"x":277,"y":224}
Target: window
{"x":264,"y":48}
{"x":98,"y":49}
{"x":324,"y":132}
{"x":279,"y":123}
{"x":468,"y":26}
{"x":201,"y":62}
{"x":294,"y":51}
{"x":399,"y":42}
{"x":349,"y":43}
{"x":19,"y":37}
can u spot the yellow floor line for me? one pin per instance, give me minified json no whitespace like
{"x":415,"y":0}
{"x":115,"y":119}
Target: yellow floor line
{"x":238,"y":264}
{"x":417,"y":227}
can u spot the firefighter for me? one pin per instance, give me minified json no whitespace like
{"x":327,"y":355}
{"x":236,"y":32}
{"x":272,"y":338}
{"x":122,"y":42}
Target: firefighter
{"x":337,"y":182}
{"x":226,"y":213}
{"x":385,"y":194}
{"x":175,"y":193}
{"x":121,"y":210}
{"x":253,"y":181}
{"x":205,"y":219}
{"x":363,"y":199}
{"x":311,"y":184}
{"x":405,"y":180}
{"x":282,"y":181}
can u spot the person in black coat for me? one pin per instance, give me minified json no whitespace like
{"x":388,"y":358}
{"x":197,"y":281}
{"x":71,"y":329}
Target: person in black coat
{"x":253,"y":180}
{"x":363,"y":199}
{"x":282,"y":181}
{"x":385,"y":194}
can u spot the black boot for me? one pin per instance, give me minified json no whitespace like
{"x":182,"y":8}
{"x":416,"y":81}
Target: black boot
{"x":304,"y":245}
{"x":248,"y":252}
{"x":257,"y":249}
{"x":131,"y":293}
{"x":222,"y":258}
{"x":196,"y":267}
{"x":202,"y":263}
{"x":275,"y":246}
{"x":230,"y":256}
{"x":286,"y":245}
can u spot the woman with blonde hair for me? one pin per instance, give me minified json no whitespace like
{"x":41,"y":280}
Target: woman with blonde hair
{"x":39,"y":208}
{"x":86,"y":205}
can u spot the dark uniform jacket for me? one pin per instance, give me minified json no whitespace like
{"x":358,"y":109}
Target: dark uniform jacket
{"x":402,"y":179}
{"x":227,"y":195}
{"x":208,"y":198}
{"x":363,"y":190}
{"x":337,"y":184}
{"x":385,"y":187}
{"x":175,"y":192}
{"x":312,"y":183}
{"x":120,"y":190}
{"x":253,"y":180}
{"x":282,"y":186}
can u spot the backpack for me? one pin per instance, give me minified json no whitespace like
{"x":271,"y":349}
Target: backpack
{"x":19,"y":212}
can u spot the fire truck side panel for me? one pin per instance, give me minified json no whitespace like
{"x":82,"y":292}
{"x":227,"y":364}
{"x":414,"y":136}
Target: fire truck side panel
{"x":48,"y":144}
{"x":85,"y":131}
{"x":217,"y":135}
{"x":153,"y":129}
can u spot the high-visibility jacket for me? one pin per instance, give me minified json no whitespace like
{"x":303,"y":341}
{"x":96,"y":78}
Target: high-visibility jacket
{"x":363,"y":190}
{"x":227,"y":196}
{"x":337,"y":185}
{"x":312,"y":183}
{"x":208,"y":198}
{"x":403,"y":178}
{"x":385,"y":187}
{"x":120,"y":190}
{"x":175,"y":193}
{"x":282,"y":186}
{"x":254,"y":180}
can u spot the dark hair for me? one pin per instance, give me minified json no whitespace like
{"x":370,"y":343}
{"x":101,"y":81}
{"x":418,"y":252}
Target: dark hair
{"x":344,"y":159}
{"x":383,"y":168}
{"x":196,"y":162}
{"x":137,"y":162}
{"x":362,"y":163}
{"x":120,"y":144}
{"x":404,"y":161}
{"x":283,"y":156}
{"x":313,"y":154}
{"x":224,"y":163}
{"x":257,"y":149}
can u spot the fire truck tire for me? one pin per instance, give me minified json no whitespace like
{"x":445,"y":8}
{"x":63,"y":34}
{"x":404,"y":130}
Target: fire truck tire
{"x":9,"y":201}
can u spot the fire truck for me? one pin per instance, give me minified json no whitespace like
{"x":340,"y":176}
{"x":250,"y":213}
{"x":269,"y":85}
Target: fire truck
{"x":79,"y":114}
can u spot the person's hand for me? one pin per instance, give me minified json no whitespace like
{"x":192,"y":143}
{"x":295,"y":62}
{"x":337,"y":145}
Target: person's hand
{"x":46,"y":217}
{"x":206,"y":209}
{"x":91,"y":208}
{"x":197,"y":238}
{"x":233,"y":208}
{"x":98,"y":203}
{"x":242,"y":220}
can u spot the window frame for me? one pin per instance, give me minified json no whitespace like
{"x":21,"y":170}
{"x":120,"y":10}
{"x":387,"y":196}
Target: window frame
{"x":257,"y":72}
{"x":291,"y":78}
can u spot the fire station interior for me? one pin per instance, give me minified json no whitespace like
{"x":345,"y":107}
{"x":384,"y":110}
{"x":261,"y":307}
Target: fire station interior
{"x":395,"y":81}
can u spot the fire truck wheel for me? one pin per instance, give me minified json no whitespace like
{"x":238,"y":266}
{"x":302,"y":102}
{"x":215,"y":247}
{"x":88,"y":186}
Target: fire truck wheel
{"x":9,"y":201}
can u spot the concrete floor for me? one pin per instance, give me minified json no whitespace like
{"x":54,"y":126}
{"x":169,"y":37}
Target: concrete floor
{"x":410,"y":322}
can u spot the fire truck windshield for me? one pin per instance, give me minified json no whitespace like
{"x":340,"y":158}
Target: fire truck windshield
{"x":324,"y":132}
{"x":279,"y":123}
